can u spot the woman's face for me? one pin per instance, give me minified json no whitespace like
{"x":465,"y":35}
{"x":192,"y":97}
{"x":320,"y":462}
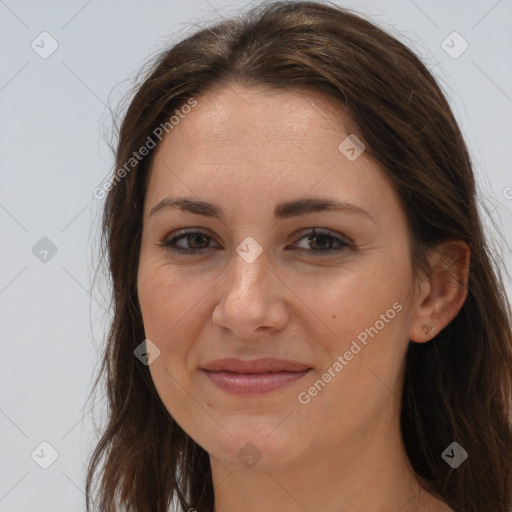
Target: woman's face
{"x":254,"y":167}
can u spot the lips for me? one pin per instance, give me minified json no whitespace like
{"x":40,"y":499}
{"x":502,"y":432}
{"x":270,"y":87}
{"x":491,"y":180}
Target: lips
{"x":267,"y":365}
{"x":253,"y":377}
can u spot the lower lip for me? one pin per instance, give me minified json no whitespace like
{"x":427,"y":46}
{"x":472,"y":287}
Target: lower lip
{"x":252,"y":383}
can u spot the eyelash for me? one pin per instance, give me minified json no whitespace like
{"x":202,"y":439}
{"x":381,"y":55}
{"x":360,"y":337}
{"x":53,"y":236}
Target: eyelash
{"x":169,"y":245}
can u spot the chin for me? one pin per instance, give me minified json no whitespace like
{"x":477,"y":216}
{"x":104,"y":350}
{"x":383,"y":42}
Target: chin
{"x":256,"y":444}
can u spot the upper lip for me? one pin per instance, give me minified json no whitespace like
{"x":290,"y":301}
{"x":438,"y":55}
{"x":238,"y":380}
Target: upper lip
{"x":255,"y":365}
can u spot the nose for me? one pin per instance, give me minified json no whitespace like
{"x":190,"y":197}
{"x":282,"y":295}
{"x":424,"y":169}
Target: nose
{"x":252,"y":302}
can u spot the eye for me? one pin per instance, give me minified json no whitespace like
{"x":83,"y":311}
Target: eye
{"x":195,"y":242}
{"x":319,"y":242}
{"x":323,"y":243}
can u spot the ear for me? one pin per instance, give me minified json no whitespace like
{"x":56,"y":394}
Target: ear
{"x":443,"y":292}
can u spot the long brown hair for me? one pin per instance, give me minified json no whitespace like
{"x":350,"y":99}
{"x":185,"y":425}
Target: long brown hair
{"x":457,"y":387}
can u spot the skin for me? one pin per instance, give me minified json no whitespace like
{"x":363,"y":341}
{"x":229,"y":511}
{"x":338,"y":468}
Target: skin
{"x":245,"y":150}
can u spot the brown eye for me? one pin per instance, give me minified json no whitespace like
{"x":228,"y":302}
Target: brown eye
{"x":322,"y":243}
{"x":192,"y":242}
{"x":196,"y":239}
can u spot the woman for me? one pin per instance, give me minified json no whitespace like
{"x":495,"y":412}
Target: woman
{"x":306,"y":316}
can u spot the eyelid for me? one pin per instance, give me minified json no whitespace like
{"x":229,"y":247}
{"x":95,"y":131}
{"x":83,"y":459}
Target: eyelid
{"x":189,"y":231}
{"x":324,"y":231}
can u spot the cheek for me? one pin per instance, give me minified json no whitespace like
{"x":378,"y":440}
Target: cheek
{"x":174,"y":312}
{"x":170,"y":309}
{"x":167,"y":303}
{"x":363,"y":315}
{"x":366,"y":322}
{"x":341,"y":305}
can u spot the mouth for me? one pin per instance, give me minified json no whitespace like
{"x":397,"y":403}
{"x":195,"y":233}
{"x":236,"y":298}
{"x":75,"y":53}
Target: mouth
{"x":253,"y":377}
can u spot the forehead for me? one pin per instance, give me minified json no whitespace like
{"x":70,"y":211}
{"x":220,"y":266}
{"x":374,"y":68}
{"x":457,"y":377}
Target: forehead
{"x":287,"y":112}
{"x":262,"y":142}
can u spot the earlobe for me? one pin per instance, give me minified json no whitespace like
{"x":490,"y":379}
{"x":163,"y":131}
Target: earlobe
{"x":446,"y":290}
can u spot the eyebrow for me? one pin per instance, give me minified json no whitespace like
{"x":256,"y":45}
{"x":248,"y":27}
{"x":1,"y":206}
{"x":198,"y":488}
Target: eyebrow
{"x":282,"y":210}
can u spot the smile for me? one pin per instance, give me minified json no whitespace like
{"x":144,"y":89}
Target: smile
{"x":253,"y":383}
{"x":249,"y":377}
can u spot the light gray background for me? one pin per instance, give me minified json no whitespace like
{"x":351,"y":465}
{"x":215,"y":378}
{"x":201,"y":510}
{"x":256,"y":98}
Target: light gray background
{"x":54,"y":124}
